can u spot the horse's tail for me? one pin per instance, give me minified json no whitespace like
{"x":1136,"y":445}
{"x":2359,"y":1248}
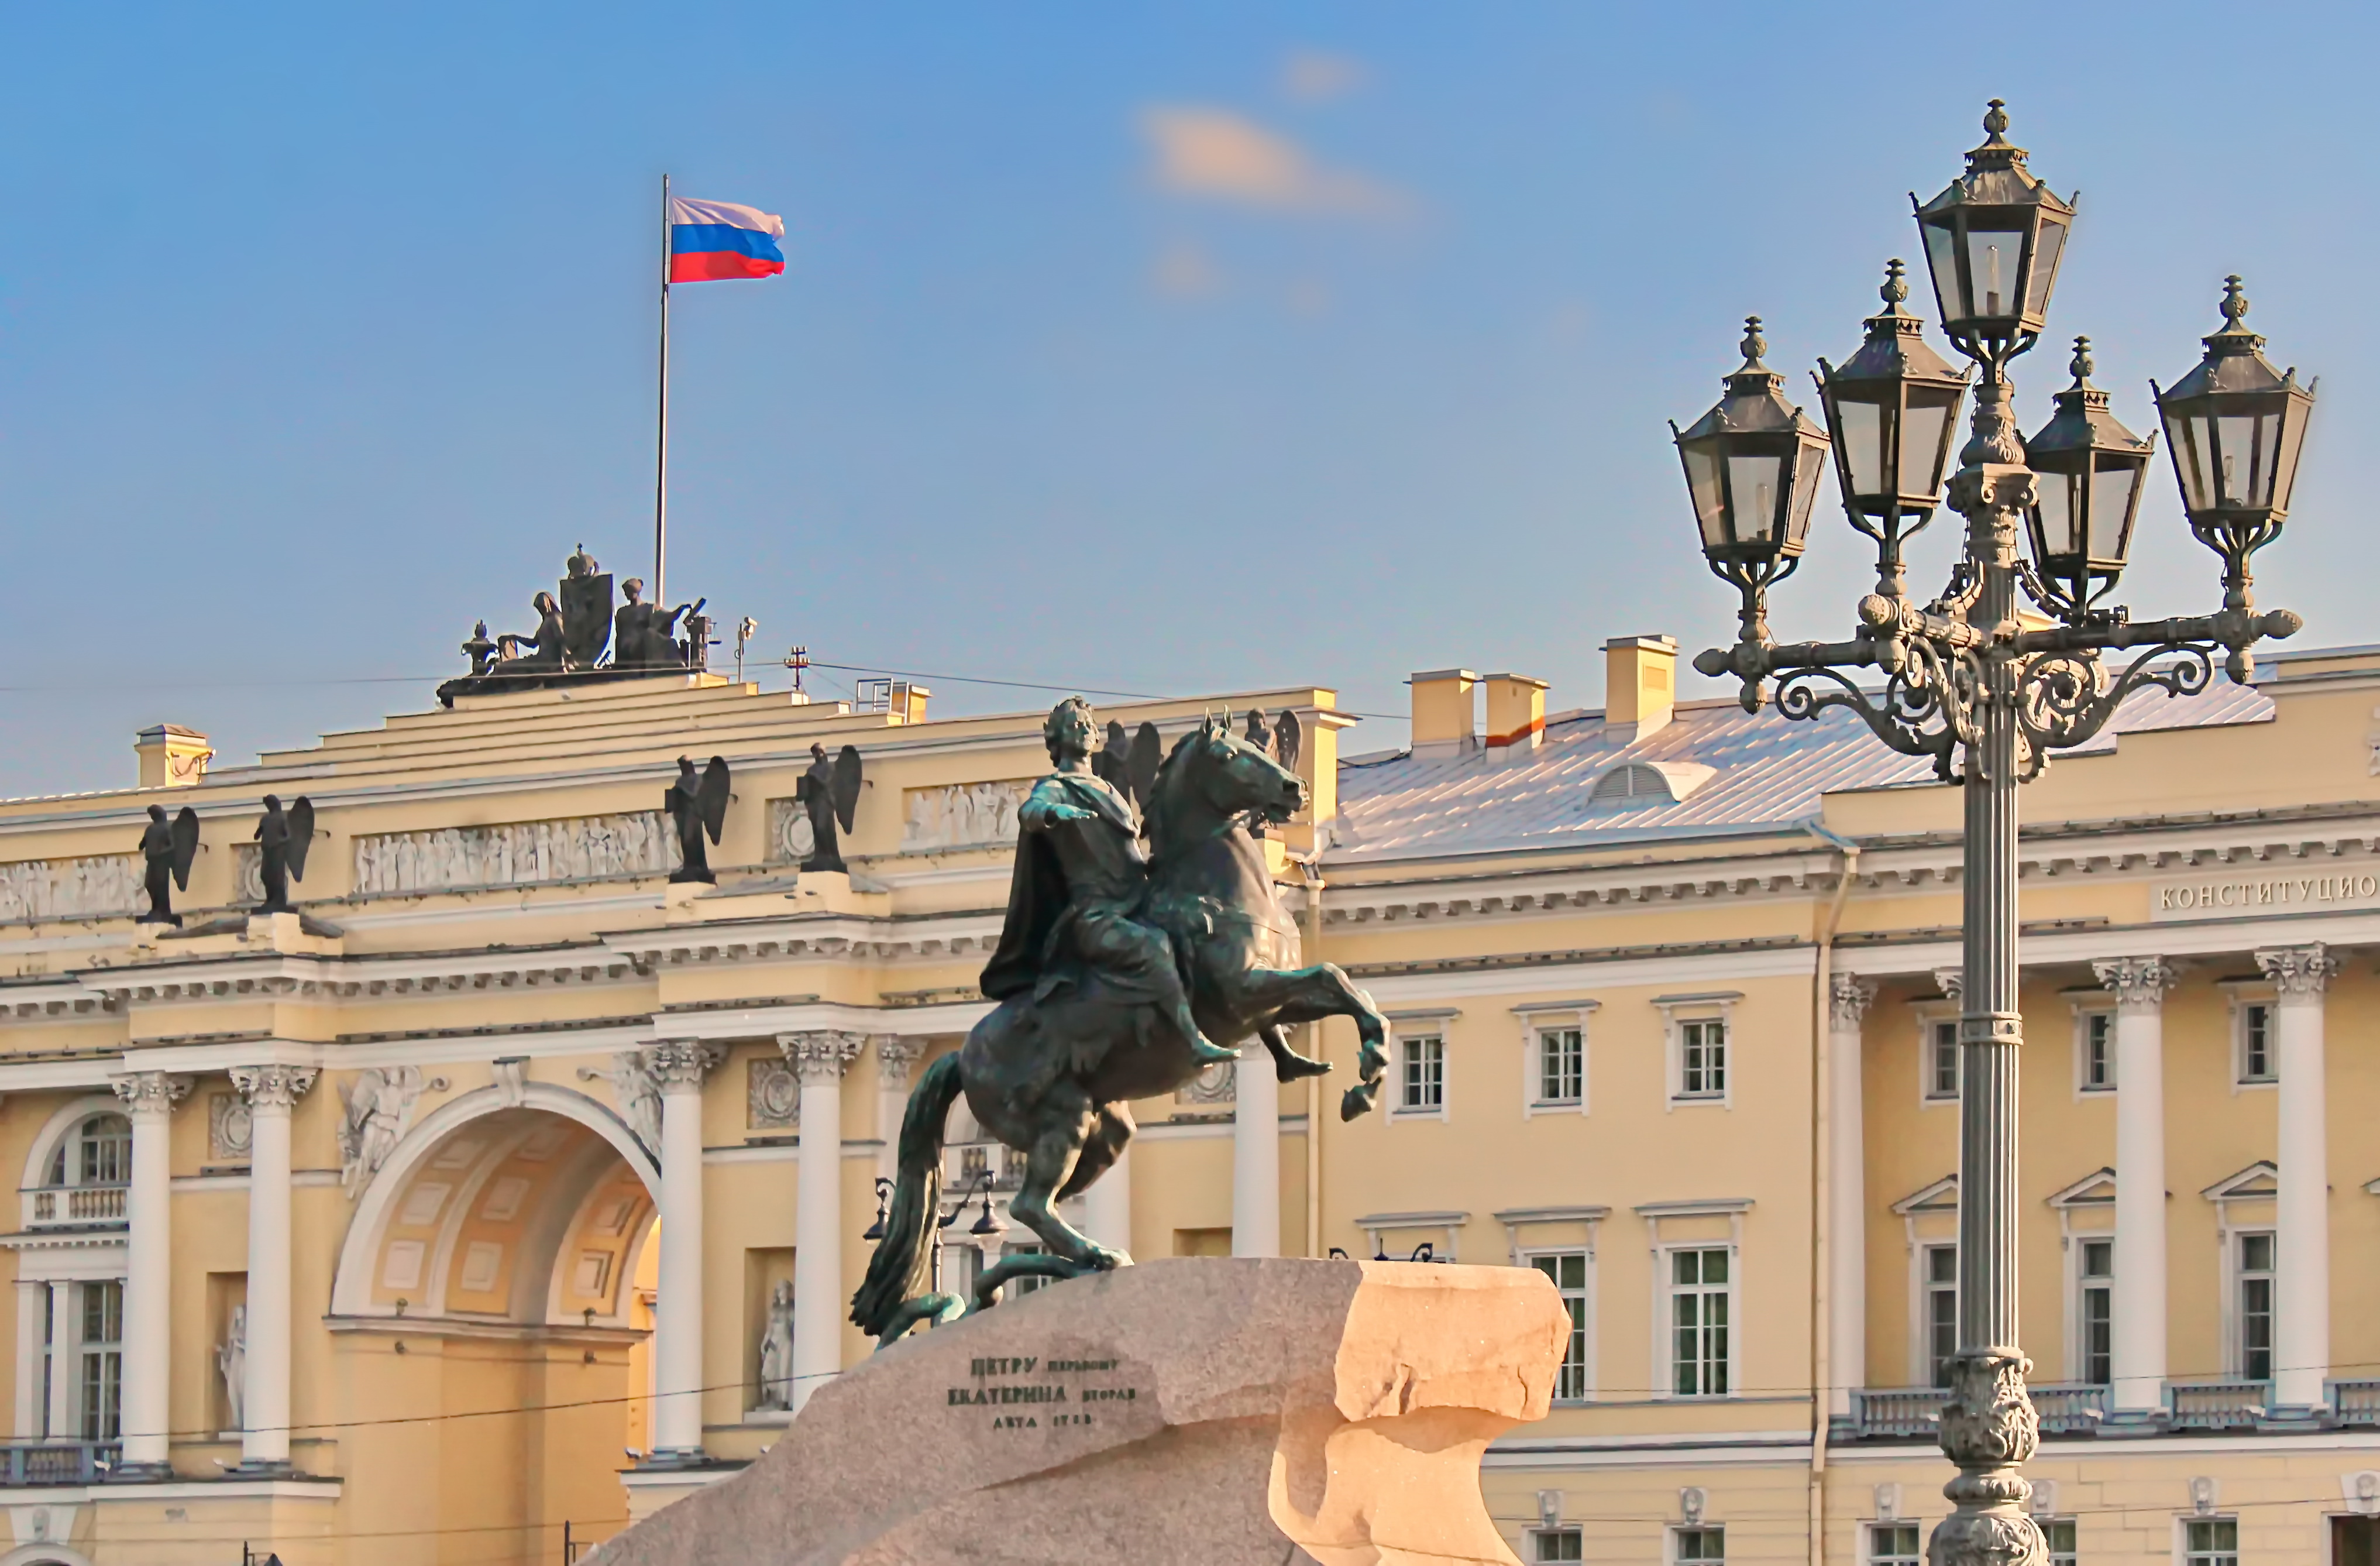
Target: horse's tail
{"x":903,"y":1258}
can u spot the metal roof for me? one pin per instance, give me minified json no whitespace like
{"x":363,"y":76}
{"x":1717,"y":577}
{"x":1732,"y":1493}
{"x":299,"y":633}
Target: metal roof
{"x":1767,"y":772}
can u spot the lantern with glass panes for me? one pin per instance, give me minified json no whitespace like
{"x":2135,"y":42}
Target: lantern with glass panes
{"x":2235,"y":428}
{"x":1993,"y":238}
{"x":1751,"y":467}
{"x":1891,"y":409}
{"x":2089,"y":469}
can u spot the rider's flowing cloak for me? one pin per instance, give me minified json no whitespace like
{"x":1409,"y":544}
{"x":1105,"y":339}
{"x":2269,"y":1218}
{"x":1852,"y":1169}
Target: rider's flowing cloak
{"x":1038,"y":901}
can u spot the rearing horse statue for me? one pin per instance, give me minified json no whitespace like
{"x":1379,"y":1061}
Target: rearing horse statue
{"x":1049,"y":1071}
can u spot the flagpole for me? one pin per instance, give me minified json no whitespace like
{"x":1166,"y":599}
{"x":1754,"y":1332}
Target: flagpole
{"x":660,"y":468}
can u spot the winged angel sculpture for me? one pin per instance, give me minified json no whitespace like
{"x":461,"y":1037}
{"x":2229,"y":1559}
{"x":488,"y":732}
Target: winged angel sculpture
{"x":830,"y":793}
{"x":696,"y":806}
{"x":169,"y":847}
{"x":282,"y":838}
{"x":1113,"y":922}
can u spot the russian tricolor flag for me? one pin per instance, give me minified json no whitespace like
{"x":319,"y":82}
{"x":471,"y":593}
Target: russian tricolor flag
{"x":711,"y":240}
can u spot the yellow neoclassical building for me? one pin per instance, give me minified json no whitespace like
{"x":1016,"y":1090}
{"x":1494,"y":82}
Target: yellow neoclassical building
{"x":509,"y":1189}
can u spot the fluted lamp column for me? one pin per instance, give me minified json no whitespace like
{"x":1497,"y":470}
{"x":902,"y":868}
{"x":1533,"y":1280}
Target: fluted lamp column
{"x":1848,"y":1001}
{"x":272,"y":1092}
{"x":820,"y":1060}
{"x":2139,"y":985}
{"x":2302,"y":1236}
{"x":148,"y":1099}
{"x":677,"y":1068}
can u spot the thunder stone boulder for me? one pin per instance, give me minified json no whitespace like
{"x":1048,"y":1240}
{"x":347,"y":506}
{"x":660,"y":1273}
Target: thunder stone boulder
{"x":1182,"y":1413}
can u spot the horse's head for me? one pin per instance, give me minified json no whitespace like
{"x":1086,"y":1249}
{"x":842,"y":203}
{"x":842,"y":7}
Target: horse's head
{"x":1231,"y":777}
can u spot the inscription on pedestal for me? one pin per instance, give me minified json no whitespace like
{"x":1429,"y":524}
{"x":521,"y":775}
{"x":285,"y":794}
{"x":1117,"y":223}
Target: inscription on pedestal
{"x":1037,"y":1394}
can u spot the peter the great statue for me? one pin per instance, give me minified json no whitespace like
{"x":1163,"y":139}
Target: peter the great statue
{"x":1134,"y":955}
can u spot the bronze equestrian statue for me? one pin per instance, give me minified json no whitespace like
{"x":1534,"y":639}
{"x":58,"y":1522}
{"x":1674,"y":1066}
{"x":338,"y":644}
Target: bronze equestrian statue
{"x":1102,"y":945}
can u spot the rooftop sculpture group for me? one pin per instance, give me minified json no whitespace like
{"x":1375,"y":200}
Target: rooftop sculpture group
{"x":576,"y":628}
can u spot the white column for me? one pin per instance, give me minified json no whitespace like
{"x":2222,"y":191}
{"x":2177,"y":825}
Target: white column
{"x":818,"y":1060}
{"x":677,"y":1068}
{"x":271,"y":1092}
{"x":66,"y":1343}
{"x":1847,"y":1193}
{"x":149,"y":1098}
{"x":2138,"y":1317}
{"x":2302,"y":1306}
{"x":896,"y":1059}
{"x":1107,"y":1206}
{"x":1255,"y":1153}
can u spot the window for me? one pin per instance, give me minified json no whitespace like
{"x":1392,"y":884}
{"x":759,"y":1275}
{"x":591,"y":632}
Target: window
{"x":2256,"y":1043}
{"x":1561,"y":1065}
{"x":1698,"y":1322}
{"x":1422,"y":1088}
{"x":102,"y":1375}
{"x":2094,"y":1314}
{"x":2211,"y":1541}
{"x":1942,"y":1059}
{"x":2098,"y":1052}
{"x":2060,"y":1532}
{"x":1702,"y":1059}
{"x":1561,"y":1544}
{"x":1940,"y":1303}
{"x":2256,"y":1306}
{"x":97,"y":1152}
{"x":1894,"y":1544}
{"x":1568,"y":1270}
{"x":1700,"y":1544}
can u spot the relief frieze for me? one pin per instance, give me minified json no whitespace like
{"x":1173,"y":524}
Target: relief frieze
{"x":515,"y":854}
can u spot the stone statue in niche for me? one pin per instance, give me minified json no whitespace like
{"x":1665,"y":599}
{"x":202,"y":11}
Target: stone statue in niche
{"x":231,"y":1363}
{"x":282,"y":838}
{"x":640,"y":1096}
{"x":378,"y":1108}
{"x":830,"y":791}
{"x":777,"y":1350}
{"x":168,"y":846}
{"x":697,"y":807}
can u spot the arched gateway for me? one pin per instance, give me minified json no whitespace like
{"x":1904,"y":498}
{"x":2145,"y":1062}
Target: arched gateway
{"x":486,"y":1296}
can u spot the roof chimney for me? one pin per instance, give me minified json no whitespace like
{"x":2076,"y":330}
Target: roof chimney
{"x":172,"y":755}
{"x":1442,"y":707}
{"x":1516,"y":715}
{"x":1640,"y":684}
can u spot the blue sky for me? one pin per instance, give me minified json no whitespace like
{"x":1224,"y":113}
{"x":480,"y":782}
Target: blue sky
{"x":1162,"y":349}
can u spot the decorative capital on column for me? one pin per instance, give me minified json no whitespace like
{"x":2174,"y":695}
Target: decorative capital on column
{"x":1950,"y":981}
{"x":2298,"y":971}
{"x":273,"y":1087}
{"x":149,"y":1092}
{"x":896,"y":1056}
{"x":821,"y":1056}
{"x":678,"y":1065}
{"x":1847,"y":1001}
{"x":2139,"y":983}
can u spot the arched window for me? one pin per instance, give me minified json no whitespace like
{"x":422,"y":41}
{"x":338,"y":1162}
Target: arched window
{"x":97,"y":1152}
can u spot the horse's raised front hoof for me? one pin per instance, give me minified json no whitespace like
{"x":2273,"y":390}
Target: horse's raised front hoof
{"x":1358,"y":1100}
{"x":1290,"y":1066}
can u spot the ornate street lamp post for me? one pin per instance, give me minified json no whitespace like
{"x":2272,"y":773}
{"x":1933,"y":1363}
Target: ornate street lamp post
{"x":1967,"y":684}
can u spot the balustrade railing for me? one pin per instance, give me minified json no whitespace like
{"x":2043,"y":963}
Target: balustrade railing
{"x":2356,"y":1402}
{"x":75,"y":1203}
{"x":1915,"y":1413}
{"x":57,"y":1463}
{"x":2217,"y":1406}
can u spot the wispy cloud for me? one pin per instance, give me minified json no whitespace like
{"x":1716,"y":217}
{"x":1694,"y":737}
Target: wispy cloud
{"x":1186,"y":272}
{"x":1217,"y":156}
{"x":1309,"y":76}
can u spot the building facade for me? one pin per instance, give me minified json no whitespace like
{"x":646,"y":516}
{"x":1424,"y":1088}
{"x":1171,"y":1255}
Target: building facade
{"x":511,"y":1189}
